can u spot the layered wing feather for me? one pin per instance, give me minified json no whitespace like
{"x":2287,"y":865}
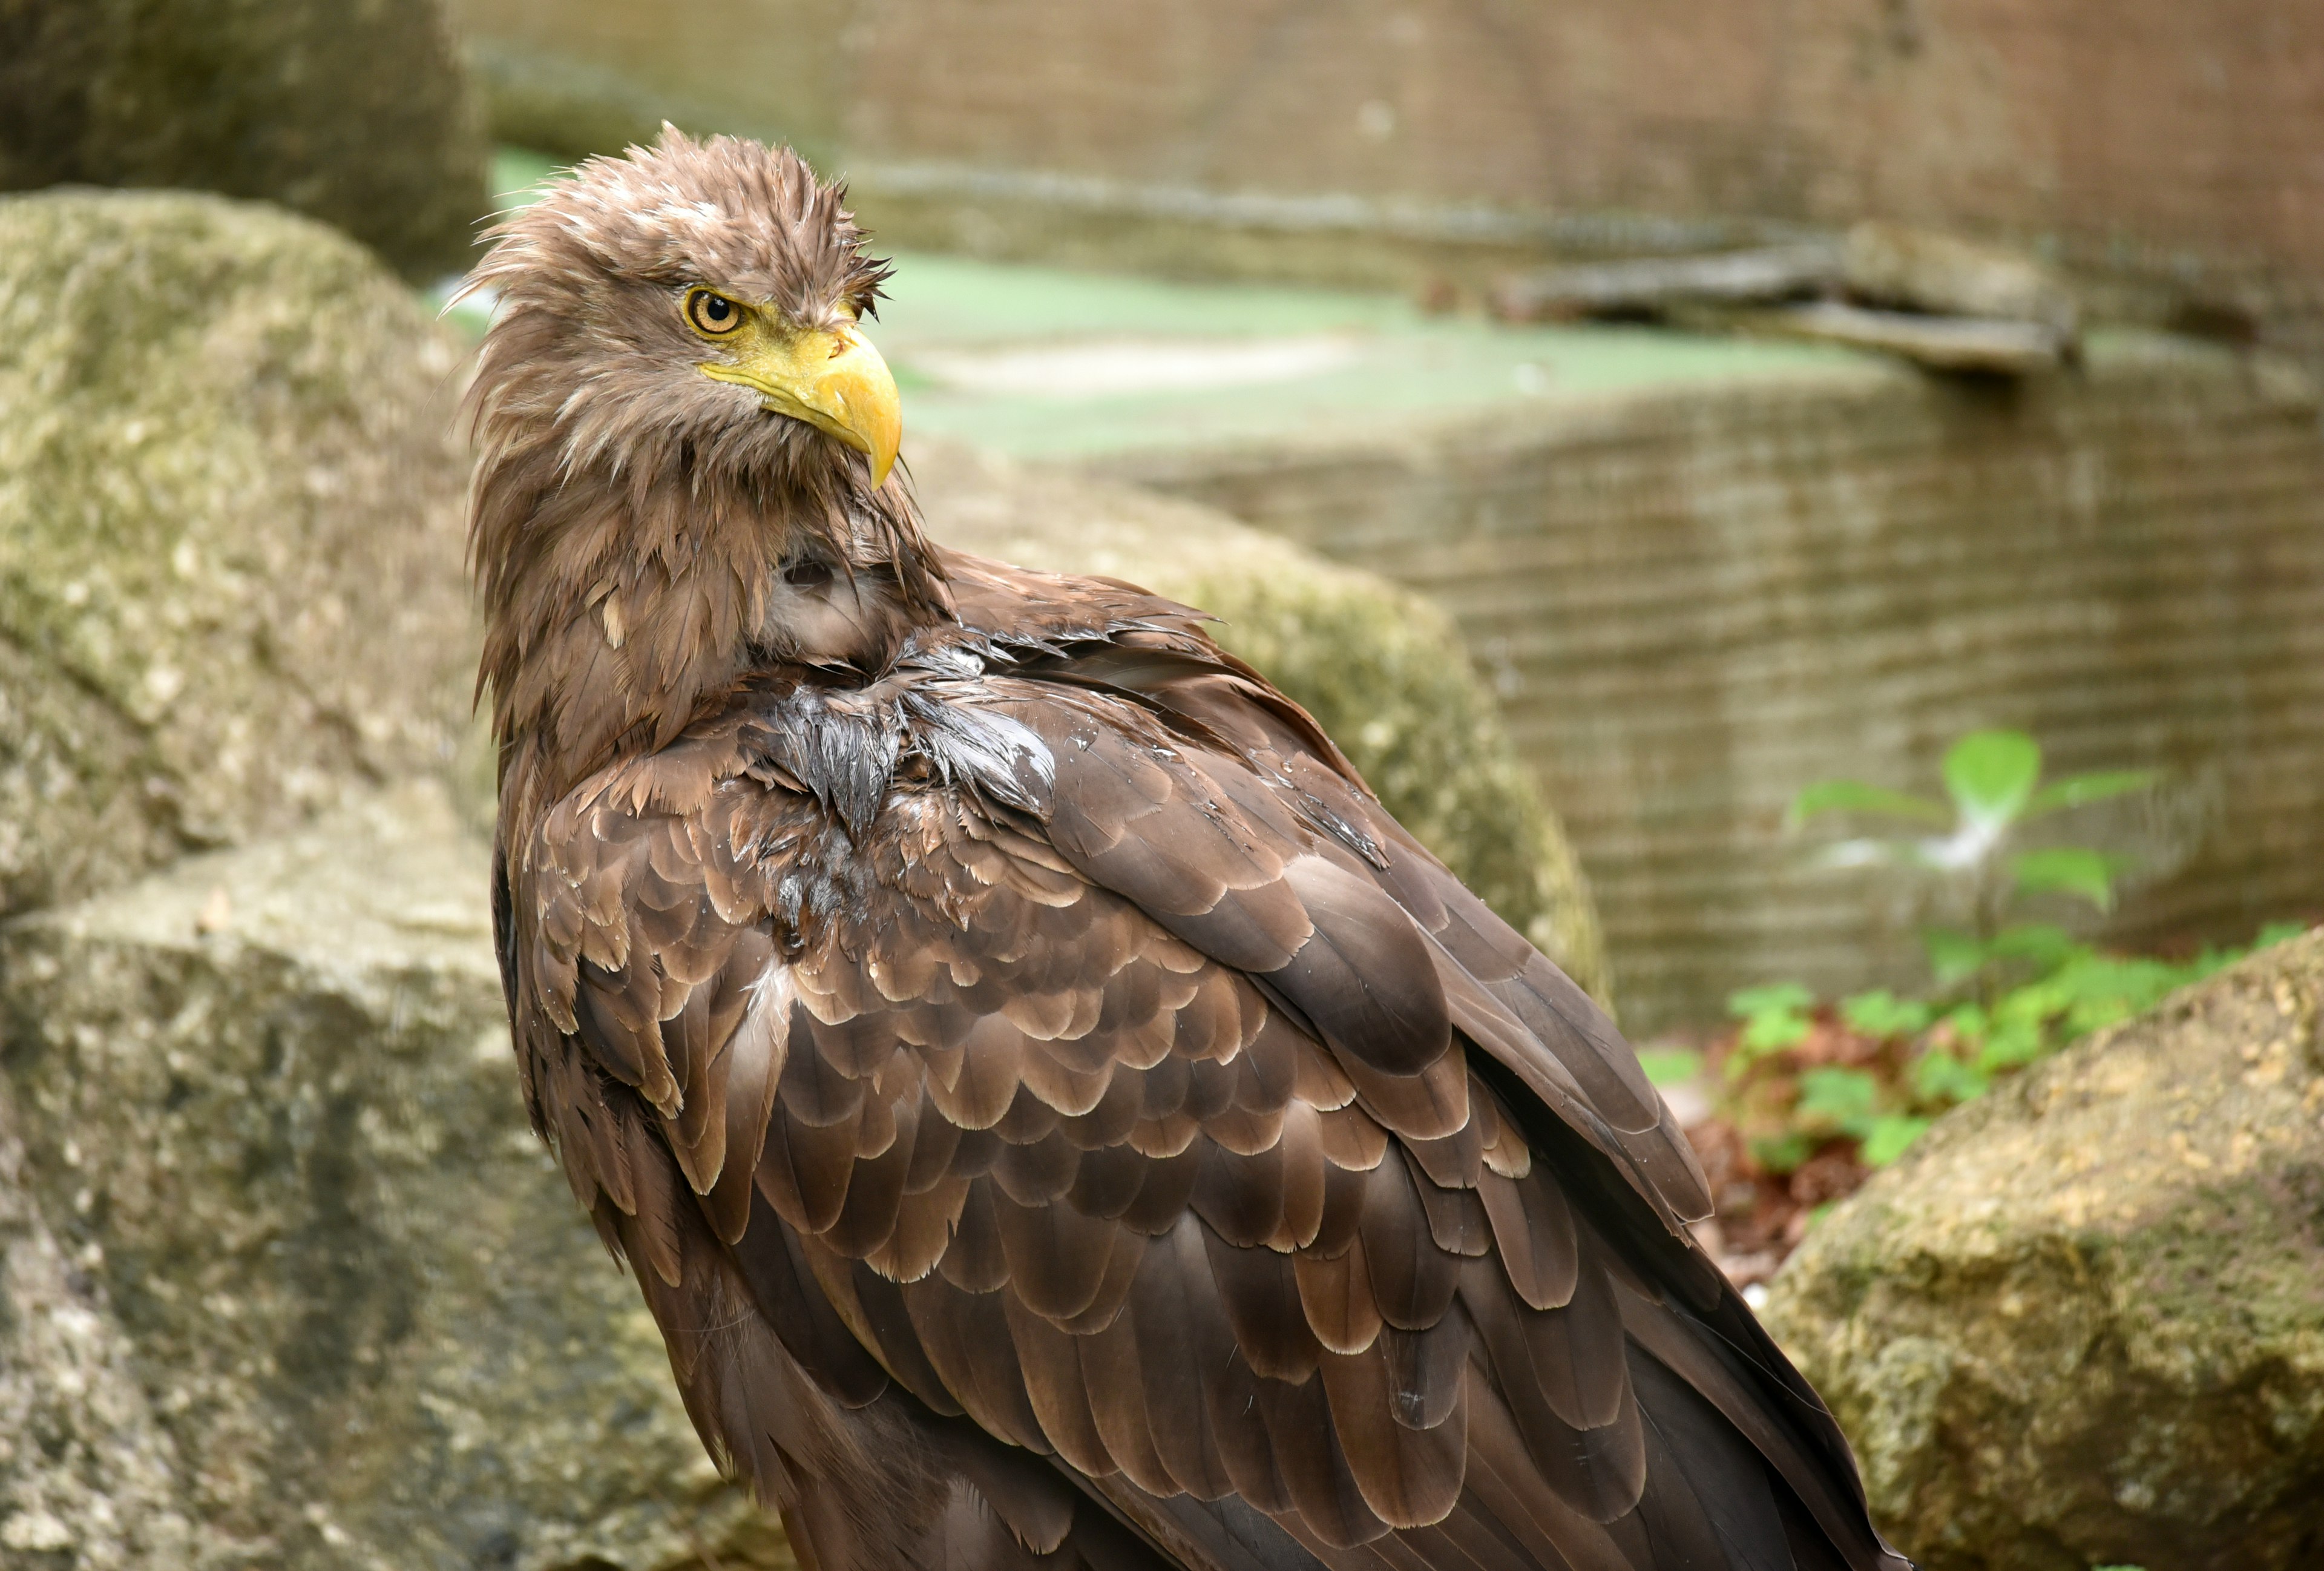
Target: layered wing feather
{"x":1155,"y":1158}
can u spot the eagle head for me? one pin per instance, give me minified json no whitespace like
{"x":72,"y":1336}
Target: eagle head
{"x":700,"y":295}
{"x":684,"y":446}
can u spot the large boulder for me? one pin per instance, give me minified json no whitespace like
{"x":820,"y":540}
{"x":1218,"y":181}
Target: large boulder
{"x":284,"y":1278}
{"x":2082,"y":1321}
{"x":230,"y":532}
{"x":358,"y":115}
{"x":1382,"y":670}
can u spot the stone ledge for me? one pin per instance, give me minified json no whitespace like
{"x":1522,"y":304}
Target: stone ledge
{"x":270,"y":1117}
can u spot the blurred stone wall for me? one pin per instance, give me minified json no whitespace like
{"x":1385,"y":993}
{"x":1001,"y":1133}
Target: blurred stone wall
{"x":576,"y":77}
{"x":1696,"y":600}
{"x":2173,"y":148}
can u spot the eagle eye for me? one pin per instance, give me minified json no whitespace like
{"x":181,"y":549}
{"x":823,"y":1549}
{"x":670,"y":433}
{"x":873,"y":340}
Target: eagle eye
{"x":712,"y":314}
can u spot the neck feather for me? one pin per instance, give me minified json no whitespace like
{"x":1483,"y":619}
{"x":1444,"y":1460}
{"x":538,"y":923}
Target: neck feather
{"x":620,"y":609}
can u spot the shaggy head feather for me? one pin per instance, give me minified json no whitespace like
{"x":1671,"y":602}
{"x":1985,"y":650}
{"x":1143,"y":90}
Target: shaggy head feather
{"x":641,"y":533}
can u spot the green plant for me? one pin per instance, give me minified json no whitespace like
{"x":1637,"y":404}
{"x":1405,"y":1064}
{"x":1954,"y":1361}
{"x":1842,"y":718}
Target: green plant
{"x":1860,"y":1077}
{"x":1994,"y":780}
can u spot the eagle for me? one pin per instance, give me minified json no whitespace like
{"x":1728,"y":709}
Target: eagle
{"x":1058,"y":1117}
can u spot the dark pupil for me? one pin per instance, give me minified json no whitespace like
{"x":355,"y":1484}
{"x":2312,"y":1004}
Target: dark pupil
{"x":716,"y":309}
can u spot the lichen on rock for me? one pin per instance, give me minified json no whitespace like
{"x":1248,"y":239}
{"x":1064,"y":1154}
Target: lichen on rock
{"x":1381,"y":669}
{"x":2082,"y":1321}
{"x":230,"y":537}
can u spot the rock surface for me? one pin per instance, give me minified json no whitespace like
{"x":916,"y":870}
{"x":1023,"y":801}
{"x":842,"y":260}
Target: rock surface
{"x":294,"y":1285}
{"x":230,"y":534}
{"x":2082,"y":1321}
{"x":1926,"y":270}
{"x":1382,"y":671}
{"x":86,"y":1476}
{"x":358,"y":115}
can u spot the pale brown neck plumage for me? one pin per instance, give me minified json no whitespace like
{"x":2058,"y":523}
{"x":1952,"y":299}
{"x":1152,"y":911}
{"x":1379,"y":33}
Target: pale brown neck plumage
{"x":619,"y":610}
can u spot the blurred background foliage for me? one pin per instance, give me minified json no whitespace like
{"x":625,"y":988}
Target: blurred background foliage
{"x":1810,"y":1094}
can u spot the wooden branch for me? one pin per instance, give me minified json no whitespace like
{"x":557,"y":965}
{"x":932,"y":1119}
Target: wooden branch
{"x":1655,"y":286}
{"x":2009,"y":348}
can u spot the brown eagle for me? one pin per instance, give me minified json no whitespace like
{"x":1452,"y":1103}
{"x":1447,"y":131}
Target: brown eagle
{"x":1057,"y":1116}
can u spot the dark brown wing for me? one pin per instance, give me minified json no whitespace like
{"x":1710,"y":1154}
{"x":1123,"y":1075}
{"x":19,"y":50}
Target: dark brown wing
{"x":1175,"y":1167}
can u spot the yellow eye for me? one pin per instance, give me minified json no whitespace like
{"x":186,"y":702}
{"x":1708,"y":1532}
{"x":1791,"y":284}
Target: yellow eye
{"x":712,"y":314}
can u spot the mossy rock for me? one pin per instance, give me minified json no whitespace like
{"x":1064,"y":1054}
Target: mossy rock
{"x":294,"y":1284}
{"x":2082,"y":1321}
{"x":1383,"y":670}
{"x":231,"y":586}
{"x":358,"y":115}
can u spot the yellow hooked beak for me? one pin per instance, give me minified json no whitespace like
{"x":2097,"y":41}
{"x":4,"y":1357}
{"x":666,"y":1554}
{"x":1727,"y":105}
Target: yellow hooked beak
{"x":832,"y":378}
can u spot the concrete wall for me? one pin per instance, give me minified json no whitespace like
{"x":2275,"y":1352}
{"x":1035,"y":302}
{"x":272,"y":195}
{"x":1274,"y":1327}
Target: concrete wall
{"x":1696,"y":600}
{"x":2152,"y":140}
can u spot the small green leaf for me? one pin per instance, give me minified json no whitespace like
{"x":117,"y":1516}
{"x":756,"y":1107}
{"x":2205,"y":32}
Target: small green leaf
{"x":1837,"y":1096}
{"x":1952,"y":955}
{"x":2045,"y":945}
{"x":2076,"y":790}
{"x":1854,"y":796}
{"x":1890,"y":1134}
{"x":2068,"y":869}
{"x":1781,"y":1153}
{"x":1881,"y":1013}
{"x":2011,"y":1044}
{"x":1772,"y":998}
{"x":1991,"y":774}
{"x":1773,"y":1033}
{"x":1774,"y":1016}
{"x":1669,"y":1066}
{"x":1940,"y":1077}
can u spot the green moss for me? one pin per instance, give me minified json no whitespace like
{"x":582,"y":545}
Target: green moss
{"x":230,"y":576}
